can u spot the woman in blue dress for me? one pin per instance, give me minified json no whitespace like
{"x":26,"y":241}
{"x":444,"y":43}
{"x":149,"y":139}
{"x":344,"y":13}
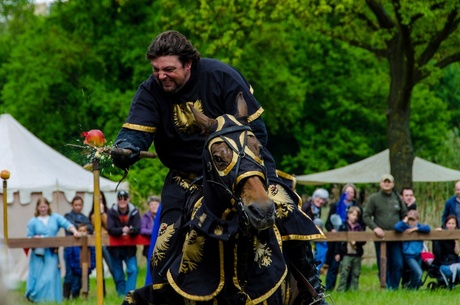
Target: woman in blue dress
{"x":44,"y":280}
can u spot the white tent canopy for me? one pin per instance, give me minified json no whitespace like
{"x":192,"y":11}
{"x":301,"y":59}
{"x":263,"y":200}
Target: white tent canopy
{"x":38,"y":170}
{"x":371,"y":169}
{"x":36,"y":167}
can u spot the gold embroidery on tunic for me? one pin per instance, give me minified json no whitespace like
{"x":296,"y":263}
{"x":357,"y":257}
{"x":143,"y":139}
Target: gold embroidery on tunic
{"x":162,"y":244}
{"x":192,"y":251}
{"x":184,"y":118}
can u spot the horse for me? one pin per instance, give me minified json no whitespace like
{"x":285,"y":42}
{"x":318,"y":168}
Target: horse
{"x":227,"y":248}
{"x":231,"y":252}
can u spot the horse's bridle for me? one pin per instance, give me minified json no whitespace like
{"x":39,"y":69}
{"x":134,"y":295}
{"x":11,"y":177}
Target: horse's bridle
{"x":220,"y":181}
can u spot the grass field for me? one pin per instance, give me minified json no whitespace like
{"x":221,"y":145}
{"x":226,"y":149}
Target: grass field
{"x":369,"y":293}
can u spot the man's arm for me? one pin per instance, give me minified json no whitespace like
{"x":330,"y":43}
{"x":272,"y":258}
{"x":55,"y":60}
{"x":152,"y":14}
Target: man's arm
{"x":134,"y":140}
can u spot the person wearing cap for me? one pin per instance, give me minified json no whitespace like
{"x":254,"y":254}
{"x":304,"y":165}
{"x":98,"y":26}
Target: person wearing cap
{"x":313,"y":206}
{"x":381,"y":212}
{"x":412,"y":249}
{"x":452,"y":206}
{"x":123,"y":219}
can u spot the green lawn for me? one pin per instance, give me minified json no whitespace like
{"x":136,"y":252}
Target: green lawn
{"x":369,"y":293}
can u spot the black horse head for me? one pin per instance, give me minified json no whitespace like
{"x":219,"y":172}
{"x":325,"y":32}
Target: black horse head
{"x":234,"y":173}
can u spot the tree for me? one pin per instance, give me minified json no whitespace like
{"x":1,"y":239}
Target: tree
{"x":417,"y":38}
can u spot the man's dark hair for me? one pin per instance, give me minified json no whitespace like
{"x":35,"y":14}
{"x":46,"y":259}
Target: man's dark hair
{"x":173,"y":43}
{"x":406,"y":188}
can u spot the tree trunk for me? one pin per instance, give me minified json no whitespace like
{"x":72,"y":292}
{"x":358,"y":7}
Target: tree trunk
{"x":398,"y":113}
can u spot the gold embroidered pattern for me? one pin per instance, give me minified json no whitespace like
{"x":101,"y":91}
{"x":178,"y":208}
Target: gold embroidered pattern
{"x":140,"y":127}
{"x":162,"y":244}
{"x":263,"y":254}
{"x":184,"y":118}
{"x":283,"y":202}
{"x":218,"y":230}
{"x":201,"y":219}
{"x":192,"y":251}
{"x":183,"y":183}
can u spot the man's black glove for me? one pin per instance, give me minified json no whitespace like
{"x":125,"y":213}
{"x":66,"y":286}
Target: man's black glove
{"x":124,"y":162}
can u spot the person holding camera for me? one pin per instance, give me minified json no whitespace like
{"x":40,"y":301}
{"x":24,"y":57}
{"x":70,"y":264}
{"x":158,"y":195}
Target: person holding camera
{"x":123,"y":219}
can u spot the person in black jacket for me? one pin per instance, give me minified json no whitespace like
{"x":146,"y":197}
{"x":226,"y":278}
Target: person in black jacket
{"x":446,"y":253}
{"x":123,"y":219}
{"x":76,"y":217}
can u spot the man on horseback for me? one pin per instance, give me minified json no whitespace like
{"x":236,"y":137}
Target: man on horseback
{"x":161,"y":113}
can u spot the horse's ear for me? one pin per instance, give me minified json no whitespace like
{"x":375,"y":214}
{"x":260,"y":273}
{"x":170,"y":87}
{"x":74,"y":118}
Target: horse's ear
{"x":241,"y":105}
{"x":203,"y":121}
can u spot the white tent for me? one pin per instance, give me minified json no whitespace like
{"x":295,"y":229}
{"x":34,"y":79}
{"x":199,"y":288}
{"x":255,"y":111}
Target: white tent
{"x":371,"y":169}
{"x":38,"y":170}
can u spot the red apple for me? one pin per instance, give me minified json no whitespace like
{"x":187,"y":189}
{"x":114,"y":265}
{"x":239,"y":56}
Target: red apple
{"x":94,"y":138}
{"x":5,"y":174}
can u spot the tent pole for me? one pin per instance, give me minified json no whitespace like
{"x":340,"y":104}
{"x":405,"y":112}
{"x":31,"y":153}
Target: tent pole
{"x":5,"y":175}
{"x":97,"y":233}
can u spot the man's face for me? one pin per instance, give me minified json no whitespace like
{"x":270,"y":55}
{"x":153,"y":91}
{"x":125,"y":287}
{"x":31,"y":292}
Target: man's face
{"x":386,"y":185}
{"x":169,"y":72}
{"x":123,"y":201}
{"x":77,"y":206}
{"x":457,"y":189}
{"x":408,"y":197}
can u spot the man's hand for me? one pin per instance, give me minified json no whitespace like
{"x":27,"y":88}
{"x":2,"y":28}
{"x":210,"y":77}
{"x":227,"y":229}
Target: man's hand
{"x":379,"y":232}
{"x":125,"y":162}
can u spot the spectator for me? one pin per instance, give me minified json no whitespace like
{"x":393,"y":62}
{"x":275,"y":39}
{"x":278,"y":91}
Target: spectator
{"x":407,"y":195}
{"x":350,"y":253}
{"x":76,"y":217}
{"x":74,"y":256}
{"x":147,"y":221}
{"x":44,"y":279}
{"x":452,"y":206}
{"x":320,"y":247}
{"x":336,"y":217}
{"x":413,"y":249}
{"x":446,"y":253}
{"x":105,"y":251}
{"x":123,"y":219}
{"x":313,"y":206}
{"x":382,"y":211}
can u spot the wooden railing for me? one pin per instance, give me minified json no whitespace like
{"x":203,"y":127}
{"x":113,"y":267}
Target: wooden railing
{"x":87,"y":241}
{"x":84,"y":242}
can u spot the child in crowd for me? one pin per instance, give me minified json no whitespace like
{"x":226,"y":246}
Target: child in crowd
{"x":350,"y":253}
{"x":74,"y":256}
{"x":320,"y":247}
{"x":412,"y":249}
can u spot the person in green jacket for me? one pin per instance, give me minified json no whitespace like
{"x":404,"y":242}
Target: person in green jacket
{"x":382,"y":211}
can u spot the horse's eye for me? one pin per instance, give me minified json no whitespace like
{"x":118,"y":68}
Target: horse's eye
{"x":217,"y":159}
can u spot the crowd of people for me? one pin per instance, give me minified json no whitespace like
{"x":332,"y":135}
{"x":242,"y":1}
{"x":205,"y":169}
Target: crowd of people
{"x":385,"y":210}
{"x":44,"y":282}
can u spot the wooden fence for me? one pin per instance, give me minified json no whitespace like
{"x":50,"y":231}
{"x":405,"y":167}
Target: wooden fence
{"x":87,"y":241}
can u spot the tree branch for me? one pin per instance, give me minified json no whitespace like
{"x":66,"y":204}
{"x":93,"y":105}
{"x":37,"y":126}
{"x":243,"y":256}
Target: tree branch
{"x":449,"y":27}
{"x":379,"y":52}
{"x":369,"y":22}
{"x":440,"y":64}
{"x":382,"y":17}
